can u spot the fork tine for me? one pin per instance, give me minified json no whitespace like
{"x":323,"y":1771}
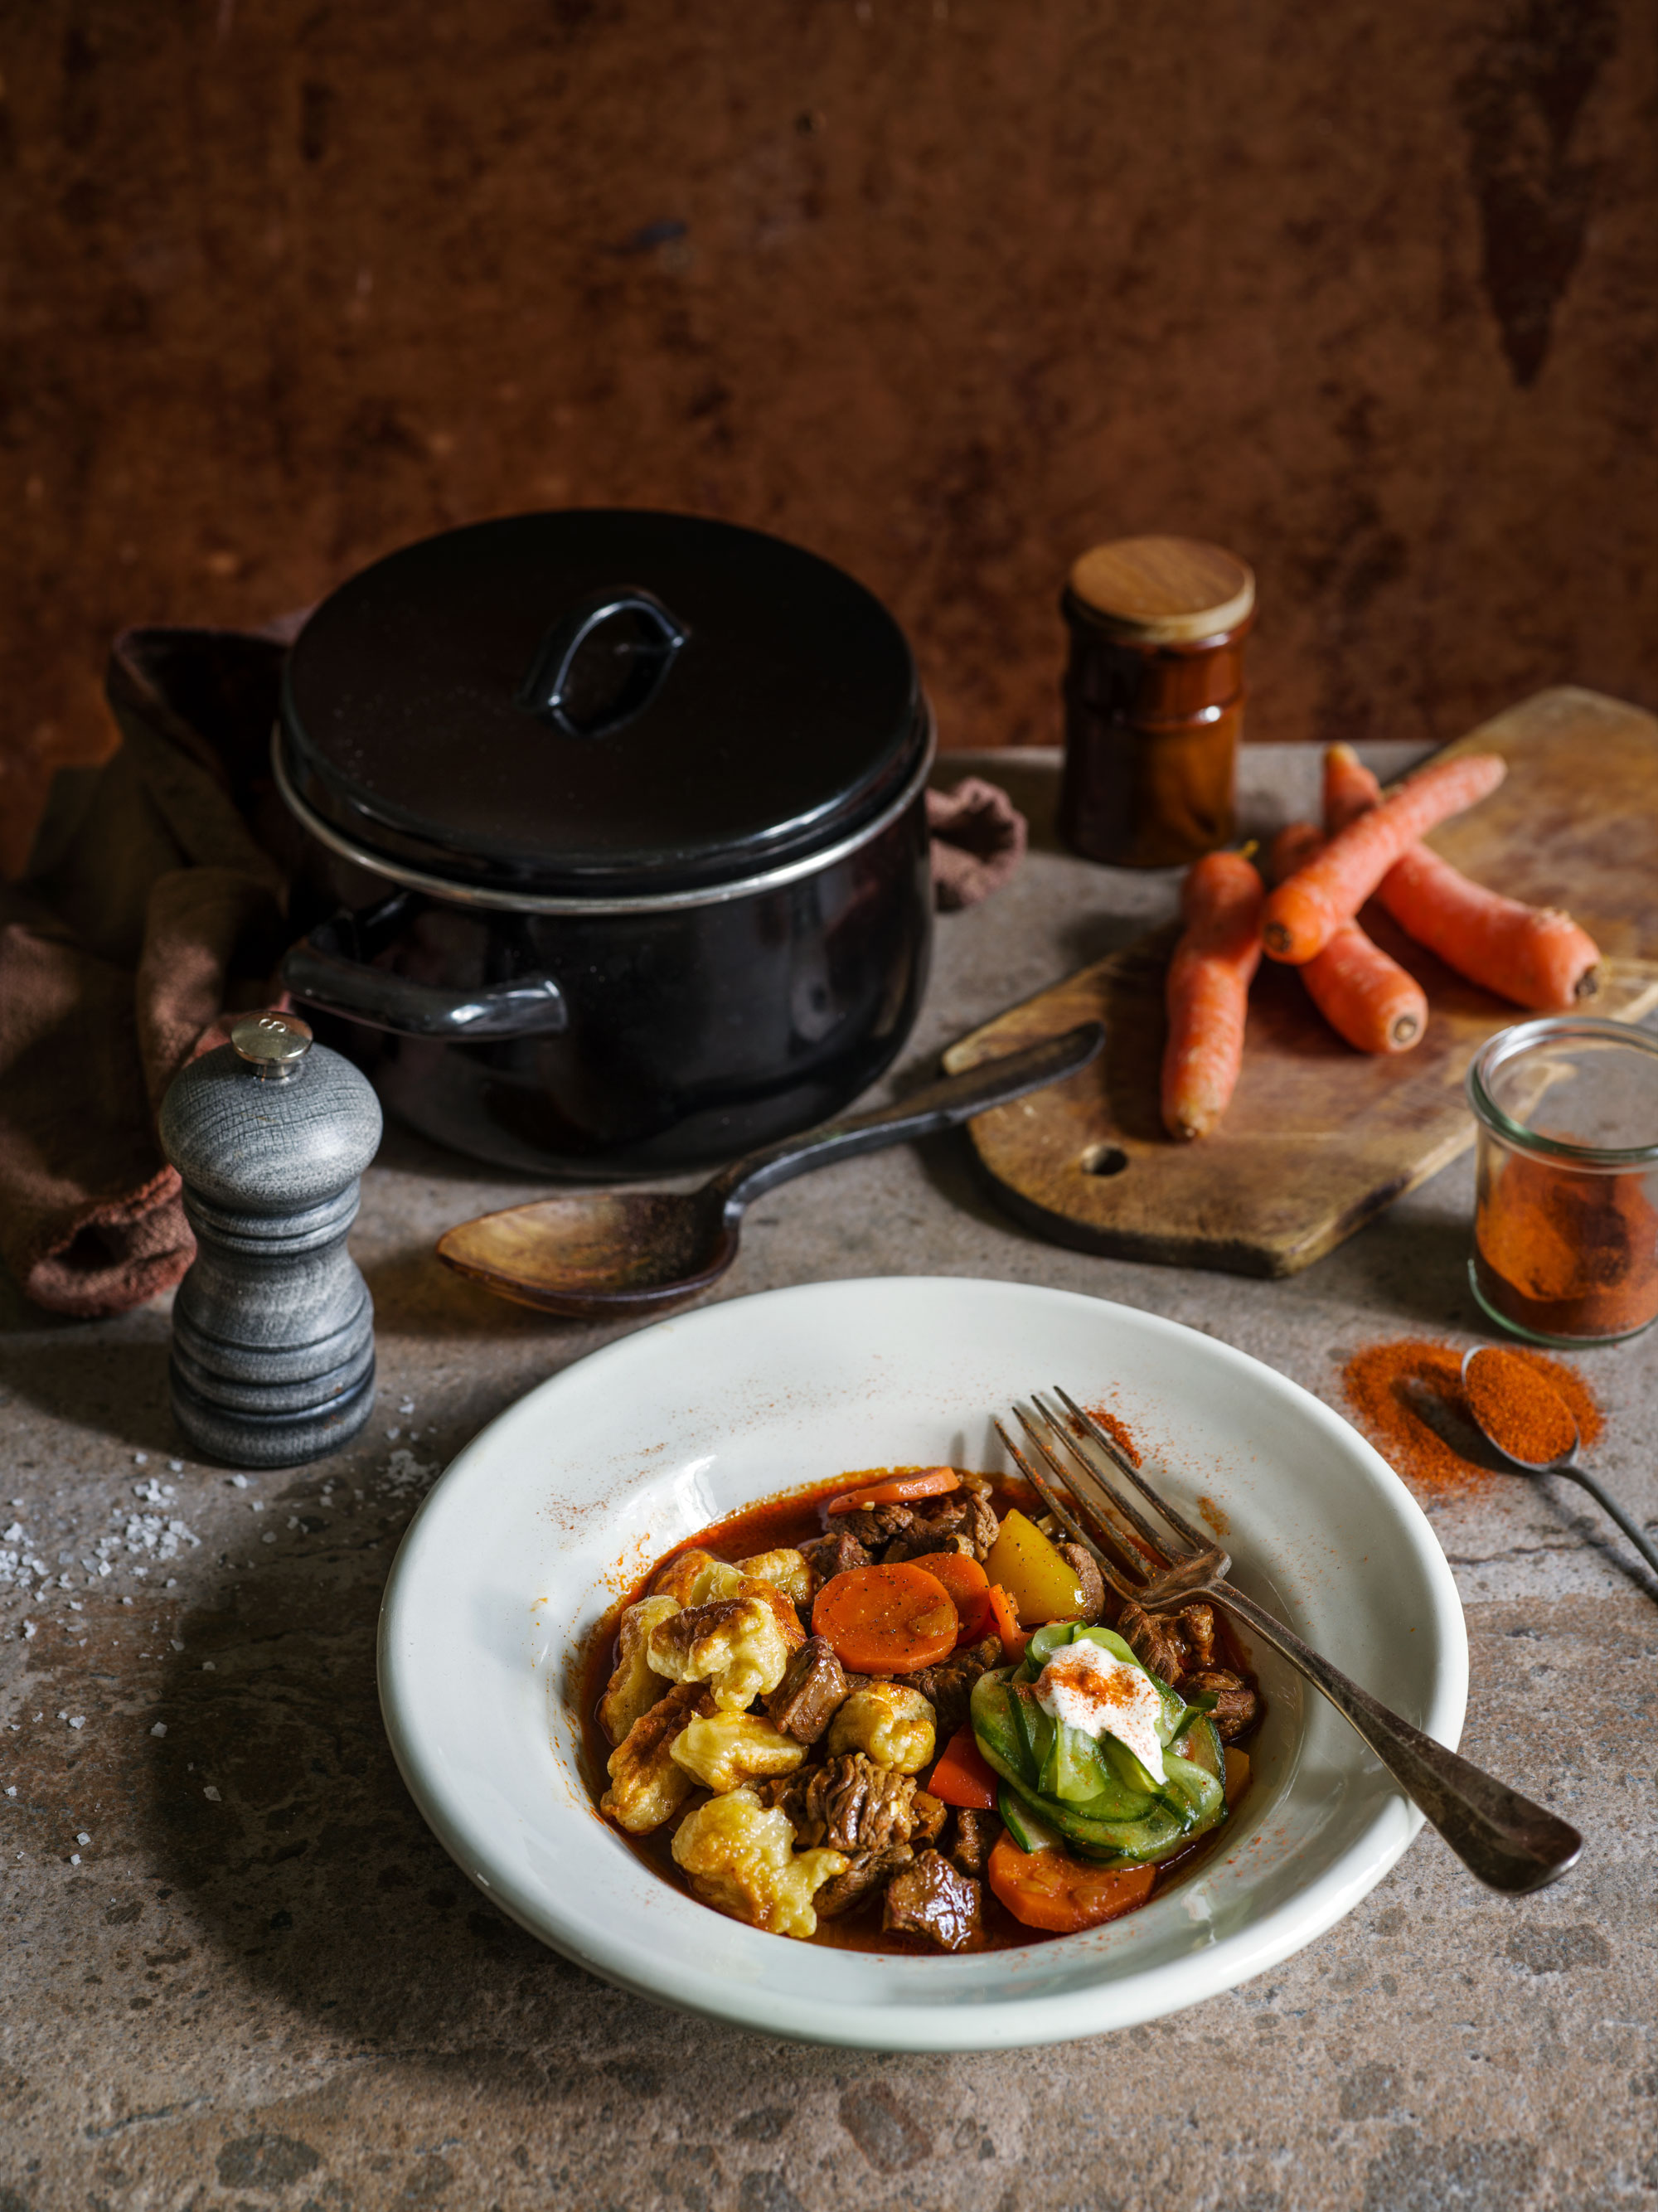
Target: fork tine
{"x":1162,"y":1550}
{"x":1120,"y":1460}
{"x":1118,"y":1583}
{"x":1126,"y":1555}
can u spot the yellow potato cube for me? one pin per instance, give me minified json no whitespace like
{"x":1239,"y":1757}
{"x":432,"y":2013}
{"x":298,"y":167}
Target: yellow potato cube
{"x":1042,"y":1585}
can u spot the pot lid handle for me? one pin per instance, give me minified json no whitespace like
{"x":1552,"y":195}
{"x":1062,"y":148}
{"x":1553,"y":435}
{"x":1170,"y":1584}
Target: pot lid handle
{"x":646,"y":644}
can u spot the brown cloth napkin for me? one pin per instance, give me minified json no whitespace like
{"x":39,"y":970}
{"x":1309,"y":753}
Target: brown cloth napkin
{"x":148,"y":911}
{"x":151,"y":912}
{"x":979,"y":837}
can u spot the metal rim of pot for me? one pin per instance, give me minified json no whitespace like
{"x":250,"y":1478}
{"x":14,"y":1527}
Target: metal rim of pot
{"x":502,"y":900}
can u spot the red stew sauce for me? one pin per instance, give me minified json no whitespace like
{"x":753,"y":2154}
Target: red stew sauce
{"x":774,"y":1525}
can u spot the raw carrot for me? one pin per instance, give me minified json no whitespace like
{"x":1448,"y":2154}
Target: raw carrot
{"x":1536,"y":955}
{"x":963,"y":1776}
{"x":1302,"y":915}
{"x":886,"y":1620}
{"x":1005,"y":1614}
{"x":1367,"y":998}
{"x":1207,"y":992}
{"x":1051,"y":1889}
{"x":969,"y":1587}
{"x":1293,"y":847}
{"x":1349,"y":788}
{"x":898,"y":1489}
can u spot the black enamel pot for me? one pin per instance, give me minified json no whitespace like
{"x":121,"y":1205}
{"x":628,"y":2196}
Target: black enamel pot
{"x":616,"y":851}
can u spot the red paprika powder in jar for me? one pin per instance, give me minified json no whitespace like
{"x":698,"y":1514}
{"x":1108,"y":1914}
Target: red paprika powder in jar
{"x":1565,"y":1241}
{"x":1153,"y":699}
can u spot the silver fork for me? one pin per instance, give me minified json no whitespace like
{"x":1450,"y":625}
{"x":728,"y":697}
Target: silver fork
{"x":1505,"y":1840}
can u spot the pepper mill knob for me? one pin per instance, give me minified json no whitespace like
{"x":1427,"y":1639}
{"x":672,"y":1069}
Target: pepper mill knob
{"x":273,"y":1327}
{"x":274,"y":1044}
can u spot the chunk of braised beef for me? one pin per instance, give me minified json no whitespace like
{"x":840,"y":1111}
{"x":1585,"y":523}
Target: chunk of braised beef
{"x":1237,"y":1708}
{"x":935,"y":1900}
{"x":1155,"y":1642}
{"x":1170,"y":1644}
{"x":813,"y":1686}
{"x":852,"y":1805}
{"x":864,"y":1874}
{"x":875,"y":1526}
{"x":836,"y":1553}
{"x":927,"y":1814}
{"x":975,"y":1839}
{"x":949,"y":1686}
{"x":787,"y":1792}
{"x":1196,"y":1625}
{"x":1086,"y":1568}
{"x":921,"y":1541}
{"x":982,"y":1525}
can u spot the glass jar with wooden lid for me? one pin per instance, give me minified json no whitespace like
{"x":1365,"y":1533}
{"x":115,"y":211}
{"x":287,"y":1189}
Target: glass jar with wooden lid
{"x":1154,"y":699}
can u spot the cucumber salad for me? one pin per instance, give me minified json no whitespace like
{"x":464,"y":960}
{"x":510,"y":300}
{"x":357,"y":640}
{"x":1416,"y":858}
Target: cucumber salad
{"x":1096,"y":1754}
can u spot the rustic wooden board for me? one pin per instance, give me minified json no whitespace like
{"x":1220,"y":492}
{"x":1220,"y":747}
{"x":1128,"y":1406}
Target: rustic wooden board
{"x":1319,"y":1138}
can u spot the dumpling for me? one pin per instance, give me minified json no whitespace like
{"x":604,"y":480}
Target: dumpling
{"x":737,"y":1646}
{"x":728,"y":1749}
{"x":889,"y":1722}
{"x":645,"y":1785}
{"x":787,"y":1570}
{"x":741,"y":1859}
{"x":636,"y":1686}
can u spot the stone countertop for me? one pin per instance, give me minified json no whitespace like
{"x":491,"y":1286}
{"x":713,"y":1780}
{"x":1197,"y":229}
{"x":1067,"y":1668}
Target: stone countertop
{"x":238,"y":1970}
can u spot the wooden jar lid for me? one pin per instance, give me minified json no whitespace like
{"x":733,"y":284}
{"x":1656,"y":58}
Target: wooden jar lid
{"x":1163,"y":591}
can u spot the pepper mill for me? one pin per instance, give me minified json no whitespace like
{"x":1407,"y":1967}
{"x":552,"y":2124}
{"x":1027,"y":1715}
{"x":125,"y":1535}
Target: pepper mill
{"x":273,"y":1327}
{"x":1153,"y":699}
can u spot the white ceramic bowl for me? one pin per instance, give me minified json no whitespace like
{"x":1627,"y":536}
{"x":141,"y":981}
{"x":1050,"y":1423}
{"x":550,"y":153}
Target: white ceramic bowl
{"x":527,"y":1539}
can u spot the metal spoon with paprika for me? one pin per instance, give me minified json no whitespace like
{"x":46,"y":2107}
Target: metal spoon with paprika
{"x":1525,"y":1418}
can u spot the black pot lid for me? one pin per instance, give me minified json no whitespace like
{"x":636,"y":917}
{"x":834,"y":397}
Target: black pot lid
{"x":598,"y":701}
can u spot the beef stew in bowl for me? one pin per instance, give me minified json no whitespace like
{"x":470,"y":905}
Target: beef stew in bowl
{"x":901,"y":1712}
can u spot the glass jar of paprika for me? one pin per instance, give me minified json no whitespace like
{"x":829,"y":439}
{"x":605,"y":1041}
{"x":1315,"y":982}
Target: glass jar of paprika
{"x":1153,"y":699}
{"x":1565,"y":1239}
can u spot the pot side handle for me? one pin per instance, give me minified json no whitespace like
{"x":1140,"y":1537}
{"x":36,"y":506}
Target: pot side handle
{"x":533,"y":1005}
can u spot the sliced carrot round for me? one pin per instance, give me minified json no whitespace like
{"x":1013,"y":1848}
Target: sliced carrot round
{"x":969,"y":1590}
{"x":899,"y":1490}
{"x":886,"y":1620}
{"x":1052,"y":1890}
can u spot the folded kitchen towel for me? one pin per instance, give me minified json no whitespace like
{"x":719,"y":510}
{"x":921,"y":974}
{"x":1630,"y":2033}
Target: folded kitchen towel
{"x":979,"y":838}
{"x":151,"y":913}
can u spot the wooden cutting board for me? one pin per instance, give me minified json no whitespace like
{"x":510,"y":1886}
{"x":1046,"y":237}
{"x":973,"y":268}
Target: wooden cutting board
{"x":1319,"y":1138}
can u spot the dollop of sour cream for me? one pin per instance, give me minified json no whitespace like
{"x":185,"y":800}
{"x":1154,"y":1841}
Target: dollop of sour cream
{"x":1083,"y":1685}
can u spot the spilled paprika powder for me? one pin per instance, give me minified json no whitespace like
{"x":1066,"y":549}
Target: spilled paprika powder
{"x":1394,"y":1389}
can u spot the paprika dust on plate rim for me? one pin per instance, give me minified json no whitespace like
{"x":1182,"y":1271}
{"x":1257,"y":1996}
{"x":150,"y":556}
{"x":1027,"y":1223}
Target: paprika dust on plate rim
{"x":1381,"y":1383}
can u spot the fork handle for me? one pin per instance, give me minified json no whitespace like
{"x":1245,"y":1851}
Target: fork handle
{"x":1505,"y":1840}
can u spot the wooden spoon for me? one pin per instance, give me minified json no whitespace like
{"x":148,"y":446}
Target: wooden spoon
{"x":600,"y":1254}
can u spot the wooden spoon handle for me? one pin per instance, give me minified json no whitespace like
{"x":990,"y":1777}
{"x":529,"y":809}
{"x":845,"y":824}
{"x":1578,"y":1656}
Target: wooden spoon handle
{"x":941,"y":1105}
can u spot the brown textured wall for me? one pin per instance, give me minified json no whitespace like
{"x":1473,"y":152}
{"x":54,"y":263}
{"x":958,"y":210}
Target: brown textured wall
{"x":944,"y":289}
